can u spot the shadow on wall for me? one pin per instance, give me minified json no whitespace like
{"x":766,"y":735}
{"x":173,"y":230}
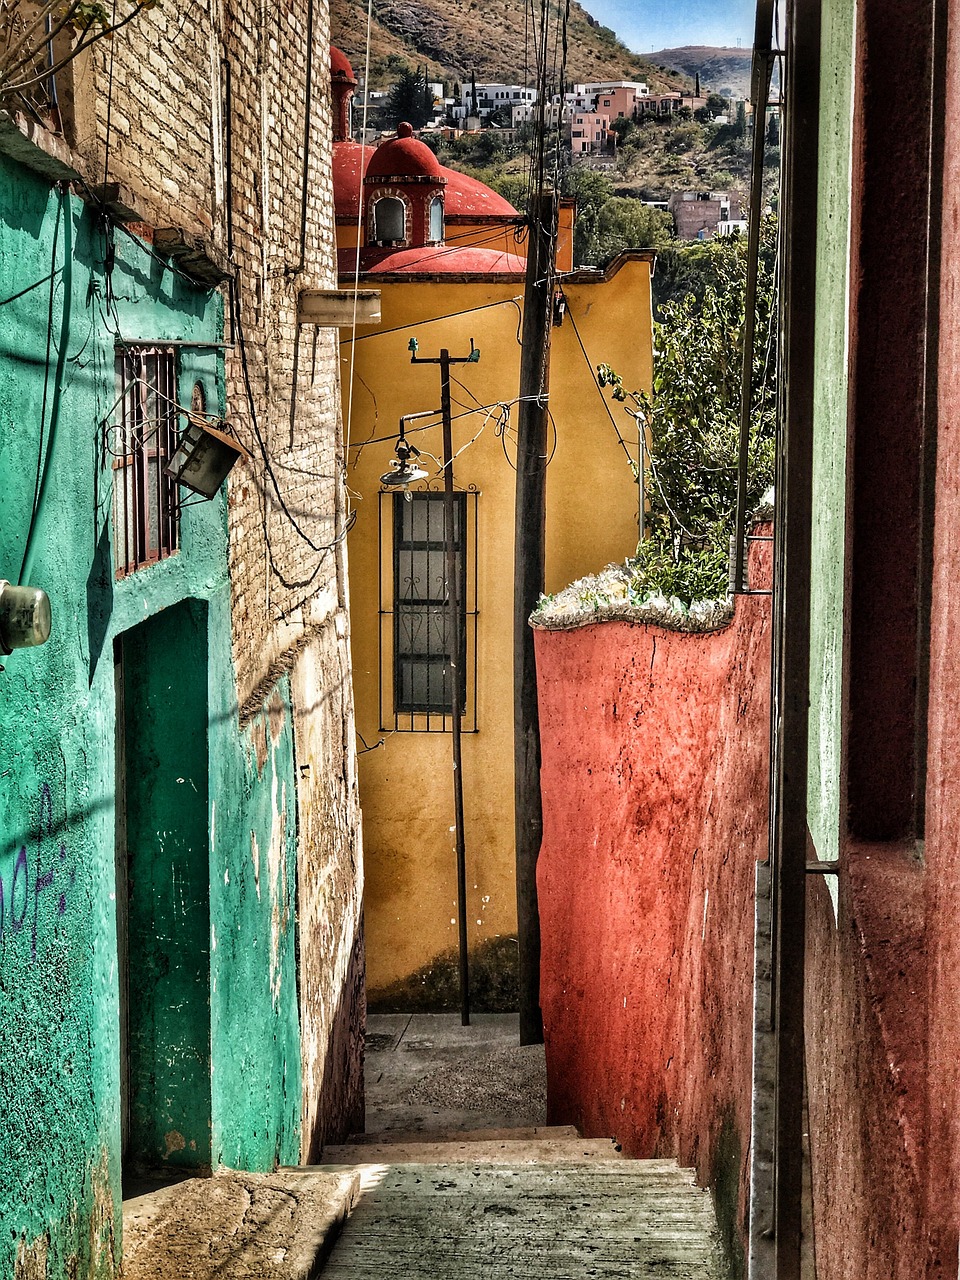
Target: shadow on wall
{"x":655,"y":779}
{"x":341,"y":1104}
{"x":435,"y":988}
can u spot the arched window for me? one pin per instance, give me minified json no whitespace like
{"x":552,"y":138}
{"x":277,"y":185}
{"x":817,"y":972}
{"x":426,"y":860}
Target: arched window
{"x":436,"y":219}
{"x":389,"y":220}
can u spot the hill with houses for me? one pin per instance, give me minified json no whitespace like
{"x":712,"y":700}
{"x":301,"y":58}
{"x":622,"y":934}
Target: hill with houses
{"x":460,"y":38}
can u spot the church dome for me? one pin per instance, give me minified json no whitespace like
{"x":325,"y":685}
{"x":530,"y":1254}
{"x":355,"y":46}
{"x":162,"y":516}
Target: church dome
{"x":340,"y":68}
{"x":403,"y":158}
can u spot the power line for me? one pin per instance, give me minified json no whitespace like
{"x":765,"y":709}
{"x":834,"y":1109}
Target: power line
{"x":449,"y":315}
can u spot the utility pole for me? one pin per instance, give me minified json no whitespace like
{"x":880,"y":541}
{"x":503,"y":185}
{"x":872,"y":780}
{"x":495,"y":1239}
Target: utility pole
{"x":455,"y":641}
{"x":529,"y":557}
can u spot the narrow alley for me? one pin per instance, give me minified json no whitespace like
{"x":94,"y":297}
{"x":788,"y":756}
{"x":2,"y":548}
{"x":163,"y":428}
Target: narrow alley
{"x":508,"y":1196}
{"x":455,"y":1177}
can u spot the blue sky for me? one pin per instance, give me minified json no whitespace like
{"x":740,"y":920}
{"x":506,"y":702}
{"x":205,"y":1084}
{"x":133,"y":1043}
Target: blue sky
{"x":645,"y":25}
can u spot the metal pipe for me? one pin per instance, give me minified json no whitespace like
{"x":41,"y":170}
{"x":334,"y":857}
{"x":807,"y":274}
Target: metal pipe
{"x":763,"y":52}
{"x":307,"y":114}
{"x":456,"y":681}
{"x":445,"y":360}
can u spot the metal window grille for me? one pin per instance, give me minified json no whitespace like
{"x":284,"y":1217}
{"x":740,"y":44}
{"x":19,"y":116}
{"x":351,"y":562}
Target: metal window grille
{"x":145,"y":506}
{"x":415,"y":640}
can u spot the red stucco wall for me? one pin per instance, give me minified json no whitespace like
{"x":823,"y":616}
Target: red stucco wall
{"x":943,"y":778}
{"x":654,"y":780}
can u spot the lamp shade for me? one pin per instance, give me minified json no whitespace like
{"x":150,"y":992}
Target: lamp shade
{"x":24,"y":617}
{"x":204,"y":457}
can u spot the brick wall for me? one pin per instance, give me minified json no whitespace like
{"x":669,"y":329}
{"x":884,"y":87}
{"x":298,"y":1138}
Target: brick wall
{"x":198,"y":113}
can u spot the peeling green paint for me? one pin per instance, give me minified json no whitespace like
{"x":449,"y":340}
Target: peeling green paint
{"x":60,"y":1145}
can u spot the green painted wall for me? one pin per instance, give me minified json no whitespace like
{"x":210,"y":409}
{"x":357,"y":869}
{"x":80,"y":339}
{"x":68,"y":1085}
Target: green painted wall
{"x":60,"y":1158}
{"x":830,"y":424}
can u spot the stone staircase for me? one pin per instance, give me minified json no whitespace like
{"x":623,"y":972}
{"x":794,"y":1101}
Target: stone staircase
{"x":519,"y":1204}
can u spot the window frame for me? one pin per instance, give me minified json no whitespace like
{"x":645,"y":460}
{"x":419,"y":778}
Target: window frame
{"x":146,"y":436}
{"x":396,"y":713}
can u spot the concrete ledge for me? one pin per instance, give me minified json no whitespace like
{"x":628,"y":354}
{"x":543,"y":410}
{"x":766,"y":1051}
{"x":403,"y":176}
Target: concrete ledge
{"x":40,"y":150}
{"x":248,"y":1226}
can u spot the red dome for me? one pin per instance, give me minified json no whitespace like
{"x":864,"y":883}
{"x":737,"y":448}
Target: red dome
{"x":432,"y":260}
{"x":340,"y":68}
{"x":403,"y":157}
{"x":471,"y":198}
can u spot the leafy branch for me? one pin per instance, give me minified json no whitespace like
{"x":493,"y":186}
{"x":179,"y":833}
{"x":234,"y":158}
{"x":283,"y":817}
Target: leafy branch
{"x":29,"y":32}
{"x":690,"y":422}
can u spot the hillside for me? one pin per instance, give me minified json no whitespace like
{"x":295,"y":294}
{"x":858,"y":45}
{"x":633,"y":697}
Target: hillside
{"x":723,"y":71}
{"x":458,"y":37}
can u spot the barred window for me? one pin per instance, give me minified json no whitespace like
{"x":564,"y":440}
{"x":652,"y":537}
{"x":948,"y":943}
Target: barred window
{"x":145,"y":512}
{"x":416,"y":671}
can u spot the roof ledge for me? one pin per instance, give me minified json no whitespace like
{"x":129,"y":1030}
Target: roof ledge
{"x":193,"y":255}
{"x":338,"y":308}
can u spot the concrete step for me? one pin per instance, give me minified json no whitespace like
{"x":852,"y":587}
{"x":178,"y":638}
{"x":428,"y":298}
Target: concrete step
{"x":497,"y":1151}
{"x":608,"y":1220}
{"x":384,"y":1136}
{"x":248,"y":1226}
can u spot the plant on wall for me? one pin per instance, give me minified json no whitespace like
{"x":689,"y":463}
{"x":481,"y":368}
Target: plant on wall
{"x":691,"y":422}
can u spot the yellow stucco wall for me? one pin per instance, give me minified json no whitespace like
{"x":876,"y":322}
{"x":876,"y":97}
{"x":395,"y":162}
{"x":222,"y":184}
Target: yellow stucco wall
{"x":592,"y":500}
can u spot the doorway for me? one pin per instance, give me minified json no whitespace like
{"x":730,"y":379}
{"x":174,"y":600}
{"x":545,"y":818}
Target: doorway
{"x":163,"y":891}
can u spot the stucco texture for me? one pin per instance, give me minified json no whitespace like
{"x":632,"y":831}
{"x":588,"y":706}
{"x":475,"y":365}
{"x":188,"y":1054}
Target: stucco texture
{"x":592,"y":507}
{"x":60,"y":1146}
{"x":654,"y":781}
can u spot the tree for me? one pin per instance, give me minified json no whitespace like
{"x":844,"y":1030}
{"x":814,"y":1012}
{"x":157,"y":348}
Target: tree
{"x":591,"y":191}
{"x":626,"y":223}
{"x":691,"y":422}
{"x":407,"y":99}
{"x":623,"y":127}
{"x":38,"y":40}
{"x":717,"y":105}
{"x":606,"y":223}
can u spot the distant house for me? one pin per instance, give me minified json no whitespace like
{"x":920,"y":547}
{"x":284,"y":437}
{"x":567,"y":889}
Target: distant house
{"x":491,"y":98}
{"x":589,"y":131}
{"x":700,"y":215}
{"x":621,"y":101}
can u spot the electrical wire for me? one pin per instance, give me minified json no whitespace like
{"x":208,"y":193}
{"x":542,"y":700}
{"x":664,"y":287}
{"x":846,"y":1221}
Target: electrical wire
{"x":449,"y":315}
{"x":106,"y":141}
{"x":603,"y":398}
{"x":360,"y":173}
{"x":52,"y":277}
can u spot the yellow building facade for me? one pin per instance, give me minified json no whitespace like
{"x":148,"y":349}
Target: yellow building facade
{"x":592,"y":517}
{"x":448,"y":284}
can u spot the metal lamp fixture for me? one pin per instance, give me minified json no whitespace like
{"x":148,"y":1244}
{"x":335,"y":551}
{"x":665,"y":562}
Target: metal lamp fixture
{"x":204,"y":456}
{"x":404,"y":468}
{"x":24,"y":617}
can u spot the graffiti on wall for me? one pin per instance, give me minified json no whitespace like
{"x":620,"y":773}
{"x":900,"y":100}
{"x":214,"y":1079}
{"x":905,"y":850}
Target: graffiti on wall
{"x":29,"y":873}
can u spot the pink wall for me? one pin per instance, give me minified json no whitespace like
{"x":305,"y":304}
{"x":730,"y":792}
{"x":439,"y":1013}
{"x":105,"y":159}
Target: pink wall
{"x":654,"y":780}
{"x":943,"y":780}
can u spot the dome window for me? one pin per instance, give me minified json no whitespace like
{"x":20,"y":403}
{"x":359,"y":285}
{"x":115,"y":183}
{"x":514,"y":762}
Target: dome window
{"x":436,"y":220}
{"x":389,"y":221}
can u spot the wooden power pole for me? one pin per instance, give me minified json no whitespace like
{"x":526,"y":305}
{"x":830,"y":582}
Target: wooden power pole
{"x":529,"y":554}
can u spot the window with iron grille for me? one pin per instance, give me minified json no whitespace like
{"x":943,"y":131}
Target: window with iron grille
{"x":145,"y":511}
{"x":416,"y":665}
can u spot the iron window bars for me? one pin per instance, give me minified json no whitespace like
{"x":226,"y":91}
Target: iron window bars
{"x":415,"y":692}
{"x":145,"y":505}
